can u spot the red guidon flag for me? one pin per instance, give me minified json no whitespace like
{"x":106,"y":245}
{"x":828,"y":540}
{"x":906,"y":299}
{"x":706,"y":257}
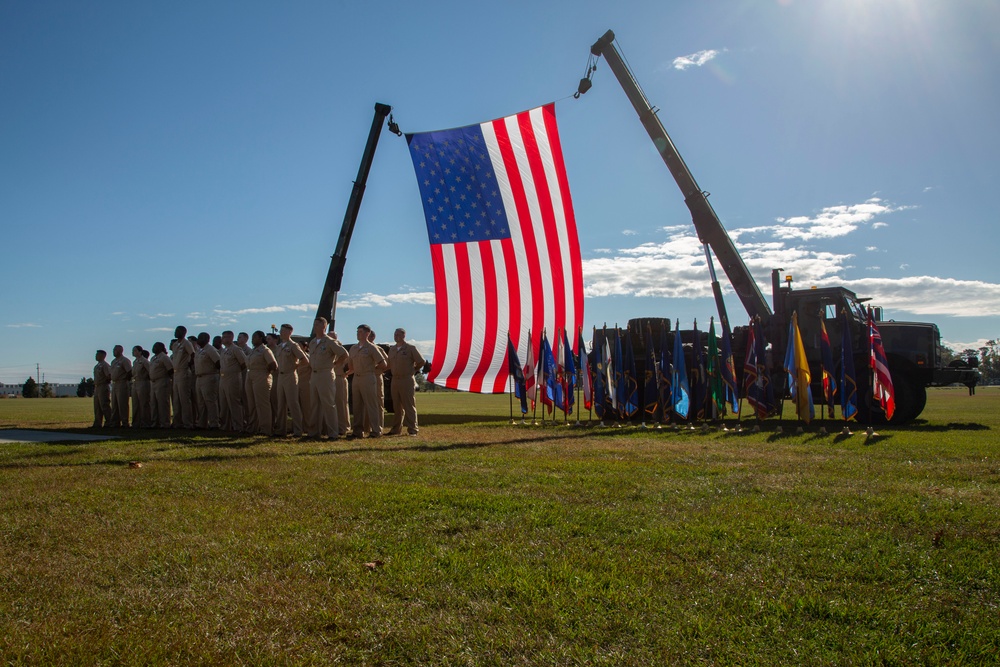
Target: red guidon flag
{"x":504,"y":246}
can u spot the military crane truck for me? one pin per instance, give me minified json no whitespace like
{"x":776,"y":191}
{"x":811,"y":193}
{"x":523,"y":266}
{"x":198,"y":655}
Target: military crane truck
{"x":914,"y":349}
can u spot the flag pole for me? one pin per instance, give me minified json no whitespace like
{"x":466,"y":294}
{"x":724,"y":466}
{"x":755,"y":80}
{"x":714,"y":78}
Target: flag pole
{"x":510,"y":394}
{"x":579,"y":381}
{"x":534,"y":387}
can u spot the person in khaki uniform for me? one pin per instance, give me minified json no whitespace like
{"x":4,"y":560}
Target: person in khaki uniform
{"x":342,"y":391}
{"x":303,"y":376}
{"x":206,"y":372}
{"x":141,"y":389}
{"x":379,"y":386}
{"x":121,"y":373}
{"x":102,"y":390}
{"x":241,"y":342}
{"x":233,"y":366}
{"x":365,"y":362}
{"x":181,"y":355}
{"x":272,"y":340}
{"x":404,"y":361}
{"x":260,"y":364}
{"x":161,"y":370}
{"x":288,"y":355}
{"x":325,"y":354}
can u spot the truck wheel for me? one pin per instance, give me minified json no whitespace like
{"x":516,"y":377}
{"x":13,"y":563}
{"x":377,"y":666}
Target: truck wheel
{"x":911,"y":397}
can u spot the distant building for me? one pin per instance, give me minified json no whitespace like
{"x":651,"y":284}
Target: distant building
{"x":11,"y":390}
{"x":58,"y":390}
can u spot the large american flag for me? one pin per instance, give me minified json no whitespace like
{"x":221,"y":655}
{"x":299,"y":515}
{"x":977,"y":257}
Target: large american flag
{"x":504,"y":246}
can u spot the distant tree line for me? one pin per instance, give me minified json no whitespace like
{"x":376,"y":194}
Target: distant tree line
{"x":31,"y":389}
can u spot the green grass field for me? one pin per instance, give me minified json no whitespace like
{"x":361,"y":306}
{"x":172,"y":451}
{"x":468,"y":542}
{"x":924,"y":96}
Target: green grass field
{"x":483,"y":543}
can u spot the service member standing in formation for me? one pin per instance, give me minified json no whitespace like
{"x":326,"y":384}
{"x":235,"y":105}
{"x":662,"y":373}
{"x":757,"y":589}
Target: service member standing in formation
{"x":241,"y":342}
{"x":325,"y":354}
{"x":161,"y":369}
{"x":288,"y":354}
{"x":206,"y":371}
{"x":121,"y":373}
{"x":141,"y":389}
{"x":340,"y":380}
{"x":182,"y":354}
{"x":365,"y":362}
{"x":102,"y":390}
{"x":260,"y":364}
{"x":303,"y":376}
{"x":234,"y":364}
{"x":272,"y":340}
{"x":404,"y":361}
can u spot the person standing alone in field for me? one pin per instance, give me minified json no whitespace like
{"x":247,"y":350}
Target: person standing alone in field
{"x":404,"y":361}
{"x":102,"y":390}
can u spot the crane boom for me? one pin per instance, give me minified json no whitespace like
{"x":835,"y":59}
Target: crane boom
{"x":327,"y":307}
{"x":706,"y":222}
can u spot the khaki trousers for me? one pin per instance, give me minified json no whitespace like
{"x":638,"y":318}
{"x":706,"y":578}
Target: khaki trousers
{"x":367,"y":412}
{"x":159,"y":404}
{"x":207,"y":392}
{"x":404,"y":404}
{"x":323,"y":397}
{"x":343,"y":414}
{"x":288,"y":401}
{"x":141,"y":396}
{"x":259,"y":418}
{"x":231,"y":402}
{"x":120,"y":391}
{"x":102,"y":405}
{"x":183,"y":417}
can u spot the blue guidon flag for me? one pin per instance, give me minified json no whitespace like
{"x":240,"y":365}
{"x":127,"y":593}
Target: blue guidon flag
{"x":504,"y":246}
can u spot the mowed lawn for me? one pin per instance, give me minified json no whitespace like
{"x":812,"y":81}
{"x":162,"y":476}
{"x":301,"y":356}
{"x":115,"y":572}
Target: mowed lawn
{"x":485,"y":543}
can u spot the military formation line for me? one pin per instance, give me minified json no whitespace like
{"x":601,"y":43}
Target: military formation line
{"x":258,"y":388}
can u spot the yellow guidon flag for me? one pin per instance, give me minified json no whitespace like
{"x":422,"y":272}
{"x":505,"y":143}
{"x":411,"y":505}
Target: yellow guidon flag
{"x":797,"y":367}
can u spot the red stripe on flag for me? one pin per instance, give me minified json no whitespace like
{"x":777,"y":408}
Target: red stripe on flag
{"x":464,"y":314}
{"x":551,"y":233}
{"x":441,"y":339}
{"x":572,"y":248}
{"x":489,"y":307}
{"x":524,"y":220}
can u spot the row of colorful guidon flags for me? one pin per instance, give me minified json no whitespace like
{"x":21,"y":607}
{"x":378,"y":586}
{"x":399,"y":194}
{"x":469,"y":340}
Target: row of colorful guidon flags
{"x":557,"y":370}
{"x":506,"y":259}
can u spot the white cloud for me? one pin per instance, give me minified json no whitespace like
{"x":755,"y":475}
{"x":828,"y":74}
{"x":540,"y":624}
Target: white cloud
{"x":629,"y":232}
{"x":929,"y":295}
{"x":696,"y":59}
{"x":151,"y":317}
{"x":872,"y":248}
{"x":256,"y":311}
{"x":155,"y":329}
{"x":960,"y":347}
{"x":370,"y":300}
{"x":832,"y":221}
{"x":25,"y":325}
{"x":675,"y":268}
{"x":880,"y":225}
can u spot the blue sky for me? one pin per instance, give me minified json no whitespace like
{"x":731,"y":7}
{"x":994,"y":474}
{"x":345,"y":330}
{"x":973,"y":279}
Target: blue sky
{"x":190,"y":163}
